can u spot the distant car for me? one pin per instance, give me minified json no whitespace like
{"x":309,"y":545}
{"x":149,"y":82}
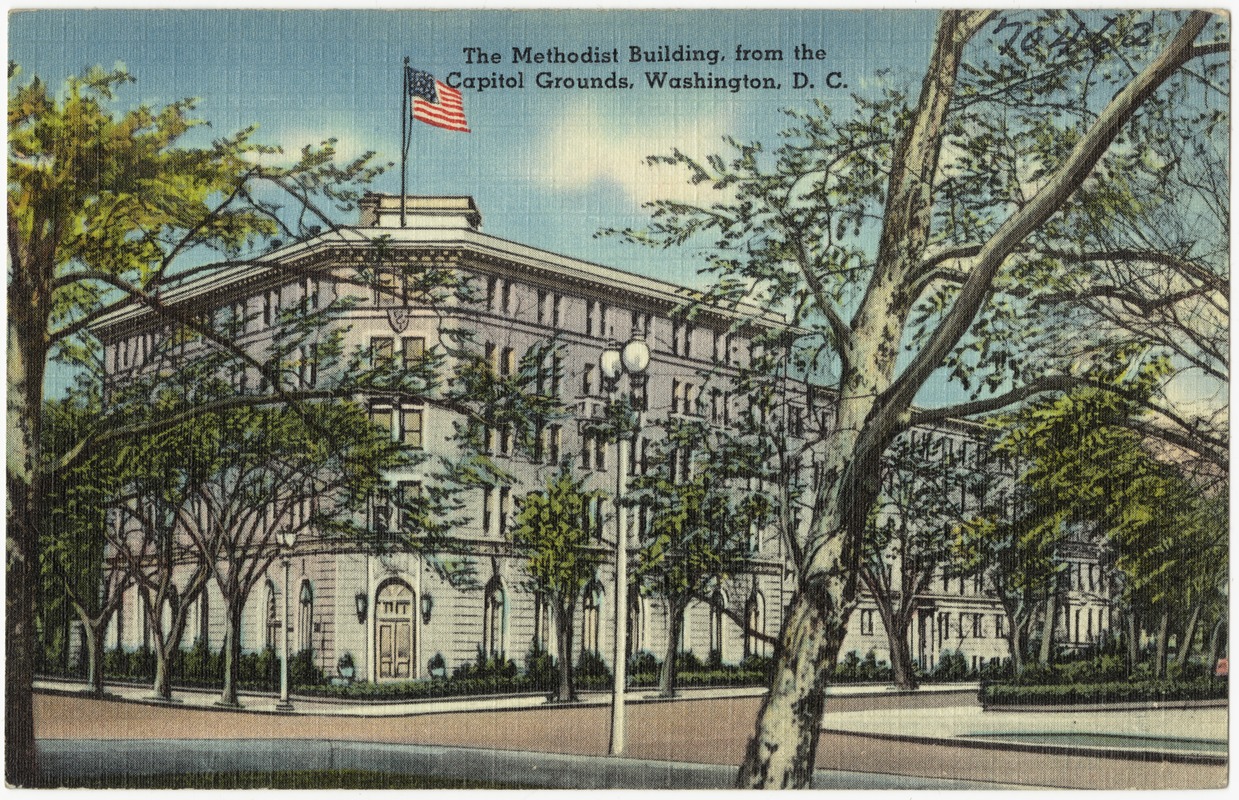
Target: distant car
{"x":1222,"y":669}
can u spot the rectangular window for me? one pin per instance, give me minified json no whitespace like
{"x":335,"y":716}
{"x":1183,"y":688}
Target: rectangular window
{"x":491,"y":357}
{"x":505,"y":504}
{"x":600,"y":453}
{"x":407,"y":495}
{"x":586,"y":450}
{"x":866,"y":622}
{"x":555,"y":309}
{"x":543,"y":308}
{"x":413,"y":349}
{"x":411,"y":427}
{"x":977,"y":630}
{"x":382,"y":350}
{"x":507,"y":298}
{"x":488,"y":505}
{"x":591,"y":313}
{"x":380,"y":510}
{"x":388,"y":289}
{"x":508,"y":365}
{"x":554,"y":440}
{"x":1000,"y":623}
{"x":381,"y":418}
{"x":309,"y":294}
{"x":587,"y":381}
{"x":675,"y":396}
{"x":492,"y":285}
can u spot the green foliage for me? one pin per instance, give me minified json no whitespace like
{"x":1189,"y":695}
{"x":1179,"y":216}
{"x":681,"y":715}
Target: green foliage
{"x":486,"y":667}
{"x":590,"y":665}
{"x":540,"y":668}
{"x":853,"y":669}
{"x":953,"y":666}
{"x":998,"y":695}
{"x":550,"y":531}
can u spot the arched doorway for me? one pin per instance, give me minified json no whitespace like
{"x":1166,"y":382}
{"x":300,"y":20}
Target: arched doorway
{"x":393,"y":631}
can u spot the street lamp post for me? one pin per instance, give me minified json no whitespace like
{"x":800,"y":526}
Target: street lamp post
{"x":633,"y":359}
{"x":287,"y":537}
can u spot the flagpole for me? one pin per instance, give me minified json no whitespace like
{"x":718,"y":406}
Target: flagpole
{"x":404,"y":135}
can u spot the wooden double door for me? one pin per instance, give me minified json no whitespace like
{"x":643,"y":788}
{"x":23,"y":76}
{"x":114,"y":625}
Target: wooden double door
{"x":395,"y":632}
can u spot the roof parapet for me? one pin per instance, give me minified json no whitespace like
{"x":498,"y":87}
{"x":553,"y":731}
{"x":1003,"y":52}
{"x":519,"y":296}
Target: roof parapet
{"x":439,"y":212}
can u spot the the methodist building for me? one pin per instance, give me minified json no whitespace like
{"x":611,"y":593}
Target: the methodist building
{"x":395,"y":613}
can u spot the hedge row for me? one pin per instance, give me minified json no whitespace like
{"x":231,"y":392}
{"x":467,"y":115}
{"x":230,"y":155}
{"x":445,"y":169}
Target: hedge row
{"x":517,"y":684}
{"x":1002,"y":694}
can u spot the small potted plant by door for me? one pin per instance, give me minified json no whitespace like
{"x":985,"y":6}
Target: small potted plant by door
{"x":346,"y":668}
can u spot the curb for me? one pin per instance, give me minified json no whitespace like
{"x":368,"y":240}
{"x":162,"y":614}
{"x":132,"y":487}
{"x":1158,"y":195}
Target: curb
{"x":66,"y":762}
{"x":1151,"y":756}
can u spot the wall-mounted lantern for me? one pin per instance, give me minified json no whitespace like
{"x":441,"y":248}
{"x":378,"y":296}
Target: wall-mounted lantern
{"x":362,"y":602}
{"x":428,"y":604}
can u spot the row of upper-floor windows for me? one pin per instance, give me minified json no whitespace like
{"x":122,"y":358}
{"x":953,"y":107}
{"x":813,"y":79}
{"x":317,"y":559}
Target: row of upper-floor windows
{"x":598,"y":319}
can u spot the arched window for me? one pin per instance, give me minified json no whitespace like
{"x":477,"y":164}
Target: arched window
{"x":305,"y":617}
{"x":636,"y":621}
{"x":717,"y":605}
{"x":755,"y":624}
{"x":204,"y":619}
{"x":494,"y":618}
{"x":591,"y":622}
{"x":271,"y":626}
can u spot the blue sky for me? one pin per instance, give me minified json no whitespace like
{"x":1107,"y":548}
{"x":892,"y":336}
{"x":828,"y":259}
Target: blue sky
{"x":547,"y":167}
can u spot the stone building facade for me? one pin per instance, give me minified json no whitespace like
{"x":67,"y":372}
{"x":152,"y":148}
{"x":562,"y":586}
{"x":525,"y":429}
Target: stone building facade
{"x":395,"y":614}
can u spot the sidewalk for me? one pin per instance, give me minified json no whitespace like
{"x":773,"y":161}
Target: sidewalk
{"x":307,"y":705}
{"x":1194,"y":735}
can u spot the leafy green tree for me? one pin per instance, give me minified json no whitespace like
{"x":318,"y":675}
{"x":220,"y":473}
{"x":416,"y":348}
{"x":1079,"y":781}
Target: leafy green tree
{"x":1087,"y":466}
{"x":953,"y":230}
{"x":1015,"y":556}
{"x":75,"y":533}
{"x":911,"y":535}
{"x":104,"y":209}
{"x":700,"y":518}
{"x":264,"y":471}
{"x":157,"y":476}
{"x":562,"y":556}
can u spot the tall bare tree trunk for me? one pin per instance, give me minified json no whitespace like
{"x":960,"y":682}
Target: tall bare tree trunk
{"x":1163,"y":636}
{"x":1189,"y":634}
{"x":232,"y":651}
{"x":675,"y":624}
{"x":563,"y":642}
{"x":1047,"y":629}
{"x":27,"y":356}
{"x":1133,"y":640}
{"x":897,"y":625}
{"x":782,"y":752}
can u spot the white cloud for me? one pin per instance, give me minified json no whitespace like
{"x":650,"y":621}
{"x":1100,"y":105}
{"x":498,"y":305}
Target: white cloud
{"x":590,"y":145}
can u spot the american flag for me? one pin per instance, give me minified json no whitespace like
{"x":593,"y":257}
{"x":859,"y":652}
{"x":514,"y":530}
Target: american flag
{"x":436,"y":103}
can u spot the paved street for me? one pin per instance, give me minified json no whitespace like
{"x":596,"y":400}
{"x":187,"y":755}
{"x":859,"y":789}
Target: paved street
{"x":708,"y":731}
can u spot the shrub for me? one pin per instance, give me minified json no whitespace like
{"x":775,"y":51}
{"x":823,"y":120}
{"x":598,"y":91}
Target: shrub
{"x":687,"y":661}
{"x":1000,"y":694}
{"x":540,"y":668}
{"x":952,"y":667}
{"x":486,"y":667}
{"x":643,"y":661}
{"x":590,"y":665}
{"x":302,"y":671}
